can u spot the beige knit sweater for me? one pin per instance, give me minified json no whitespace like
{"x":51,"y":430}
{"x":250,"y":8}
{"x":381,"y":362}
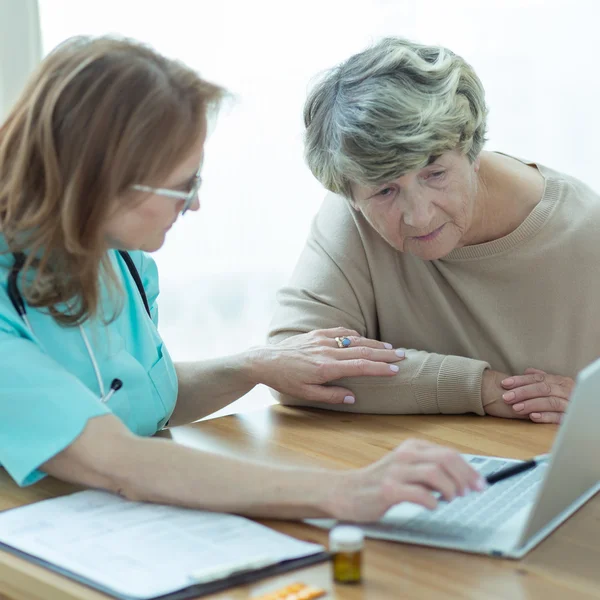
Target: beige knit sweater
{"x":529,"y":299}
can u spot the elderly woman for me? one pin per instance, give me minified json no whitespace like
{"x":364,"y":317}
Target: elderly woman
{"x":483,"y":266}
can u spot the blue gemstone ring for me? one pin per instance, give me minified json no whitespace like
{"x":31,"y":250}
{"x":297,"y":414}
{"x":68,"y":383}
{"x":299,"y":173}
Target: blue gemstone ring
{"x":343,"y":342}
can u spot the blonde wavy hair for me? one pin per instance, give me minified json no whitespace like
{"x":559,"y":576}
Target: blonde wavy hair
{"x":99,"y":115}
{"x":388,"y":110}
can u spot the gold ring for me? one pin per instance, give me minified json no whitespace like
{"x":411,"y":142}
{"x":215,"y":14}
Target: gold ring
{"x":343,"y":342}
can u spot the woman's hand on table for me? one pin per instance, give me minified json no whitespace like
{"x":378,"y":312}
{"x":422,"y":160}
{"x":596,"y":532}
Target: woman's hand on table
{"x":413,"y":472}
{"x":302,"y":365}
{"x":535,"y":395}
{"x":542,"y":397}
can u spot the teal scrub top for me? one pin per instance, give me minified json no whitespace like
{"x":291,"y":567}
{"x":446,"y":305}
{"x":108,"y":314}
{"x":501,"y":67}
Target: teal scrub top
{"x":48,"y":386}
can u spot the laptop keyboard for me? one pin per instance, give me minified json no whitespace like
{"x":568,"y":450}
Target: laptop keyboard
{"x":477,"y":515}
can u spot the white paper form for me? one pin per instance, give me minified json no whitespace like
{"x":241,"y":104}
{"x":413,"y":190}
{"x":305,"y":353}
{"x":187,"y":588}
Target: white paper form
{"x":138,"y":549}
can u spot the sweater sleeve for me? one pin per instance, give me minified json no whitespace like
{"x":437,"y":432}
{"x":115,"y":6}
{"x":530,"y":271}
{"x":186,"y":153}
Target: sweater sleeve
{"x":333,"y":288}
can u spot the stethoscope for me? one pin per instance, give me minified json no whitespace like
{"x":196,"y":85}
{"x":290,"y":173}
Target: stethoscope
{"x":17,"y":301}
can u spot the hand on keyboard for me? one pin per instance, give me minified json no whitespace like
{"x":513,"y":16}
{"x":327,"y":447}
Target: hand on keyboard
{"x":414,"y":472}
{"x":477,"y":516}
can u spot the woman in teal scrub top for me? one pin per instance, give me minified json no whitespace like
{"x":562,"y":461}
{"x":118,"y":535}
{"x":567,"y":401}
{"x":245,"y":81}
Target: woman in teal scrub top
{"x":98,"y":159}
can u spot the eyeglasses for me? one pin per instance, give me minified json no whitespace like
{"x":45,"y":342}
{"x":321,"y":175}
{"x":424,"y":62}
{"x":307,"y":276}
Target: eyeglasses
{"x":189,"y":196}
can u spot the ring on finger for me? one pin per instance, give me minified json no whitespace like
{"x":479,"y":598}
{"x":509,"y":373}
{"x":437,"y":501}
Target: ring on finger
{"x":343,"y":342}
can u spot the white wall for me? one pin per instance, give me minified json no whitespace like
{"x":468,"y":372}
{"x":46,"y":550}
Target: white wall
{"x":20,"y":47}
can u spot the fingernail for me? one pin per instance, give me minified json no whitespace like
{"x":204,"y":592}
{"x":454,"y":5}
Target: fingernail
{"x":536,"y":415}
{"x":465,"y":491}
{"x":349,"y":400}
{"x":509,"y":396}
{"x":519,"y":407}
{"x":400,"y":353}
{"x":481,"y":484}
{"x":387,"y":346}
{"x":394,"y":368}
{"x":509,"y":381}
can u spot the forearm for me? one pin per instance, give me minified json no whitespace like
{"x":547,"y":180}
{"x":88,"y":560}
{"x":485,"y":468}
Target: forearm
{"x":207,"y":386}
{"x":164,"y":472}
{"x":426,"y":383}
{"x":108,"y":456}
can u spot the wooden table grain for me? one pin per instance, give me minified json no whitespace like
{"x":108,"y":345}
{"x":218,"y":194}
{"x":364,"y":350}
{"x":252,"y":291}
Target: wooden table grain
{"x":564,"y":566}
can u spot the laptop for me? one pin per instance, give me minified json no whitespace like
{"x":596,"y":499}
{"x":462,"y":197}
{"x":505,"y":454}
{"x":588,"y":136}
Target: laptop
{"x":513,"y":516}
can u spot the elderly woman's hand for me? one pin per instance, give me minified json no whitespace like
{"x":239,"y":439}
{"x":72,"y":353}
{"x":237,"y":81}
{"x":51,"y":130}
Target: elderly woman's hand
{"x":535,"y":395}
{"x":302,"y":365}
{"x":416,"y":471}
{"x":542,"y":397}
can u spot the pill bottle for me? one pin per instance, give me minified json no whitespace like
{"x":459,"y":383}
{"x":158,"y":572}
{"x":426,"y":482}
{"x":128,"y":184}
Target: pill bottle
{"x":346,"y":546}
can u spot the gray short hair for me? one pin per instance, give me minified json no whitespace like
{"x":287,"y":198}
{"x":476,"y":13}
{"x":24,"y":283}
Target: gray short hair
{"x":388,"y":110}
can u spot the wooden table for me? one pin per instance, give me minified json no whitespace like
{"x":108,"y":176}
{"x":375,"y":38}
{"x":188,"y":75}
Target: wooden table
{"x":564,"y":566}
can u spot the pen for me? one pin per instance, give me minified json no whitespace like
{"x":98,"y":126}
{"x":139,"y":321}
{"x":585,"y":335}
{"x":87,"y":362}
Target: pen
{"x":507,"y":472}
{"x":115,"y":386}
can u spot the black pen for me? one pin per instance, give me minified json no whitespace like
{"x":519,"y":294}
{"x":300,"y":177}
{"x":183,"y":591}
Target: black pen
{"x":511,"y":470}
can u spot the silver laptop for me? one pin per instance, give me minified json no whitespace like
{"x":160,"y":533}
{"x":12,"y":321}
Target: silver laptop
{"x":514,"y":515}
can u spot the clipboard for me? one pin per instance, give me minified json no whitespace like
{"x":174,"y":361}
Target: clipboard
{"x":192,"y":591}
{"x":142,"y":551}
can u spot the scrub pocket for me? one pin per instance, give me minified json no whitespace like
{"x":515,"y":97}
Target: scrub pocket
{"x":164,"y":384}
